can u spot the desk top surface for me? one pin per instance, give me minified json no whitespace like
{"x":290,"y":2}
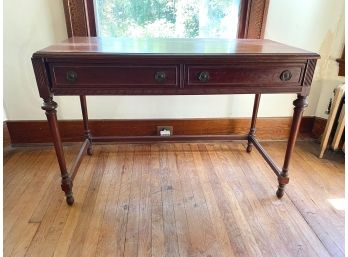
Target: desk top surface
{"x":159,"y":46}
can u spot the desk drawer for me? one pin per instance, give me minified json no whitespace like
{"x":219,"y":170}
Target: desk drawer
{"x":111,"y":76}
{"x":260,"y":74}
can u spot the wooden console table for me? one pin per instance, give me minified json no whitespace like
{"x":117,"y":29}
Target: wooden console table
{"x":106,"y":66}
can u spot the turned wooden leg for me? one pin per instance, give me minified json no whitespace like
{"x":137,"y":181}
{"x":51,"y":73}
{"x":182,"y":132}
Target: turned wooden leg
{"x":87,"y":131}
{"x":253,"y":121}
{"x":300,"y":103}
{"x":50,"y":107}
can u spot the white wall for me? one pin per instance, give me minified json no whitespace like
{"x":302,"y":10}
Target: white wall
{"x":28,"y":26}
{"x":316,"y":25}
{"x":4,"y":115}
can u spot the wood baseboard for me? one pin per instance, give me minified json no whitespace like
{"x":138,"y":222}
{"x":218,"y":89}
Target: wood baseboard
{"x":29,"y":132}
{"x":6,"y":136}
{"x":318,"y":127}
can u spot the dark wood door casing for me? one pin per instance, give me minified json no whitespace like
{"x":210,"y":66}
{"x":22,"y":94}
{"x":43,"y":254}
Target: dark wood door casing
{"x":80,"y":18}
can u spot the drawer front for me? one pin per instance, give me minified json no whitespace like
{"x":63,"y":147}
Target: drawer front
{"x":110,"y":76}
{"x":259,"y":75}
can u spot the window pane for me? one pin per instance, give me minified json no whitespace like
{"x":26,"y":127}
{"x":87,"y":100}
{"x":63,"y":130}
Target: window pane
{"x":167,"y":18}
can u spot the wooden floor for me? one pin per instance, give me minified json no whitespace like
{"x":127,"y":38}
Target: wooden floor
{"x":210,"y":199}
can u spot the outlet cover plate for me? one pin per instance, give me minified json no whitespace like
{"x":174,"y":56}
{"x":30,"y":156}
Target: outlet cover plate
{"x":160,"y":128}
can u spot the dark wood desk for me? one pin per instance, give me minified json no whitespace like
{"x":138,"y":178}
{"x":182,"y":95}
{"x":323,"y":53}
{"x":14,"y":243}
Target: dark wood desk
{"x":99,"y":66}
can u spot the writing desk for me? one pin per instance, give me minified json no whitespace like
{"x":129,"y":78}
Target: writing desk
{"x":108,"y":66}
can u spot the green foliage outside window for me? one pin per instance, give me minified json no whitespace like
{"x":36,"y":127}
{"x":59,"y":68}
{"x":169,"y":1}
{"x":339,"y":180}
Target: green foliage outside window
{"x":167,"y":18}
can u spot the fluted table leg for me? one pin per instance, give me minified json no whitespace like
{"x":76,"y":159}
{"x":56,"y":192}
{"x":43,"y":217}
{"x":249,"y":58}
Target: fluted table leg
{"x":50,"y":107}
{"x":300,"y":103}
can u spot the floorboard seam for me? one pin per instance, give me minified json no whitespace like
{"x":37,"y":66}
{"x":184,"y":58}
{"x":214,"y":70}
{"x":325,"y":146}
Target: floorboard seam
{"x":304,"y":218}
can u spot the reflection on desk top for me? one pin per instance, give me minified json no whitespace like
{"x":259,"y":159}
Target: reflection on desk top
{"x":162,"y":46}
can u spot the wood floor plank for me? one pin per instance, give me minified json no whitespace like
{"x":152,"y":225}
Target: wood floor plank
{"x":299,"y":231}
{"x":49,"y":196}
{"x":296,"y":225}
{"x":52,"y":215}
{"x":112,"y":239}
{"x":175,"y":199}
{"x":94,"y":228}
{"x":169,"y":226}
{"x":328,"y":191}
{"x":157,"y":235}
{"x":8,"y":153}
{"x":195,"y":234}
{"x":81,"y":185}
{"x":15,"y":167}
{"x":106,"y":245}
{"x":310,"y":201}
{"x":124,"y":200}
{"x":20,"y":181}
{"x":132,"y":230}
{"x":181,"y":223}
{"x":200,"y":210}
{"x":85,"y":219}
{"x":27,"y":234}
{"x":241,"y":236}
{"x":44,"y":241}
{"x":261,"y":201}
{"x":36,"y":186}
{"x":248,"y":195}
{"x":144,"y":223}
{"x":215,"y":214}
{"x":17,"y":219}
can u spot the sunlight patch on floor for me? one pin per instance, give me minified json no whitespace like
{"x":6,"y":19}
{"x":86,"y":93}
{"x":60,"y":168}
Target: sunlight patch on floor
{"x":338,"y":203}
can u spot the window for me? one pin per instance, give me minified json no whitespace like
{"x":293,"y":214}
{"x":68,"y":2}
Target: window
{"x":167,"y":18}
{"x":216,"y":16}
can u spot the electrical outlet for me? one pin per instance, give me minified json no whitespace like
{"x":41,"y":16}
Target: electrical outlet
{"x":164,"y":130}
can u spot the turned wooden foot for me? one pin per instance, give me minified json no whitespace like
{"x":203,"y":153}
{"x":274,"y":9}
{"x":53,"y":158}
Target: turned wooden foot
{"x":283,"y":179}
{"x":249,"y":147}
{"x":90,"y":150}
{"x":280,"y":191}
{"x":70,"y":200}
{"x":67,"y":188}
{"x":90,"y":146}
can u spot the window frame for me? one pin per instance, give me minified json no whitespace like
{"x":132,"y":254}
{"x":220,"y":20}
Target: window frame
{"x":80,"y":18}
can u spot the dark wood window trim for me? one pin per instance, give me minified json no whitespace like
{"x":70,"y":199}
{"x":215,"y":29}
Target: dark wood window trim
{"x":252,"y":20}
{"x":80,"y":18}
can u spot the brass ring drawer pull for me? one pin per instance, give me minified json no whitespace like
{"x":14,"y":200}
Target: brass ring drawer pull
{"x":203,"y":76}
{"x":71,"y":76}
{"x":285,"y":75}
{"x":160,"y":76}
